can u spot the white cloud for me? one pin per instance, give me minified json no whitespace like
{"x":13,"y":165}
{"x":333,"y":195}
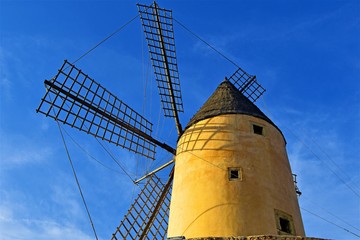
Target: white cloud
{"x":5,"y":86}
{"x":321,"y":152}
{"x":318,"y":156}
{"x":66,"y":198}
{"x":18,"y":150}
{"x":5,"y":83}
{"x":24,"y":216}
{"x":22,"y":228}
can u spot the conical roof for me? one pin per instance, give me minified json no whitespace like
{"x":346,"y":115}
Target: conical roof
{"x":227,"y":99}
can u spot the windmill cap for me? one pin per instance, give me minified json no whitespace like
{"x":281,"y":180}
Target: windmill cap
{"x":227,"y":99}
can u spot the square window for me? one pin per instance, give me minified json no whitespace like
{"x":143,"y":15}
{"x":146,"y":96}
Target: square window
{"x":235,"y":174}
{"x":258,"y":129}
{"x":284,"y":223}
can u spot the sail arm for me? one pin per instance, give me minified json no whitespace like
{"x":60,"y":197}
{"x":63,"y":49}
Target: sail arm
{"x":158,"y":28}
{"x":77,"y":100}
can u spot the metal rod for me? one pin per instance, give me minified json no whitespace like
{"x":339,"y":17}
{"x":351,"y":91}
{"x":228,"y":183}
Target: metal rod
{"x":155,"y":171}
{"x":123,"y":124}
{"x":173,"y":103}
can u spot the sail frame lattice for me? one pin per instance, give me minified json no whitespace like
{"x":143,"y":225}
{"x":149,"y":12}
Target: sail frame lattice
{"x":247,"y":85}
{"x":158,"y":28}
{"x":75,"y":99}
{"x":139,"y":222}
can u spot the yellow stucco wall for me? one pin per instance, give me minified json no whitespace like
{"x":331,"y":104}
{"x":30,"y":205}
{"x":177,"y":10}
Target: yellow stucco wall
{"x":206,"y":203}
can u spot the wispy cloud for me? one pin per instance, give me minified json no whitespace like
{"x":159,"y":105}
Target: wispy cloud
{"x":13,"y":227}
{"x":26,"y":152}
{"x":60,"y":216}
{"x":319,"y":157}
{"x":5,"y":83}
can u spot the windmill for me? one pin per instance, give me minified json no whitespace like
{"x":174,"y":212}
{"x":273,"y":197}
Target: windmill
{"x":77,"y":100}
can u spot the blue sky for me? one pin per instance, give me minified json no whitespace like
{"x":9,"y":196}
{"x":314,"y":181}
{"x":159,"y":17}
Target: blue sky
{"x":305,"y":53}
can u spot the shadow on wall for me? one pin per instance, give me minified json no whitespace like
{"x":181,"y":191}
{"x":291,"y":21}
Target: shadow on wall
{"x":211,"y":135}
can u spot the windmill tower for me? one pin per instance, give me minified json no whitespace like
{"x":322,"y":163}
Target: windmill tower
{"x":230,"y":173}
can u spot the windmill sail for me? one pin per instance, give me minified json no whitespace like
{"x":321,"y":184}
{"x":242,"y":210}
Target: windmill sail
{"x":247,"y":85}
{"x":158,"y":28}
{"x":75,"y":99}
{"x":148,"y":216}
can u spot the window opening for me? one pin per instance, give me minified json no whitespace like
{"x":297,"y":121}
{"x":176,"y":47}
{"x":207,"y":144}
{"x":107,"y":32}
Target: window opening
{"x":258,"y":129}
{"x":285,"y":225}
{"x":235,"y":174}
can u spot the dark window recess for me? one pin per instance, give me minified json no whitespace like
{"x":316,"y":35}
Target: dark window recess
{"x":285,"y":225}
{"x":235,"y":174}
{"x":258,"y":129}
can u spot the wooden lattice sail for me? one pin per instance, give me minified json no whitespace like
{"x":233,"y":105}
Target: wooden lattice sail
{"x":148,"y":216}
{"x":158,"y":28}
{"x":77,"y":100}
